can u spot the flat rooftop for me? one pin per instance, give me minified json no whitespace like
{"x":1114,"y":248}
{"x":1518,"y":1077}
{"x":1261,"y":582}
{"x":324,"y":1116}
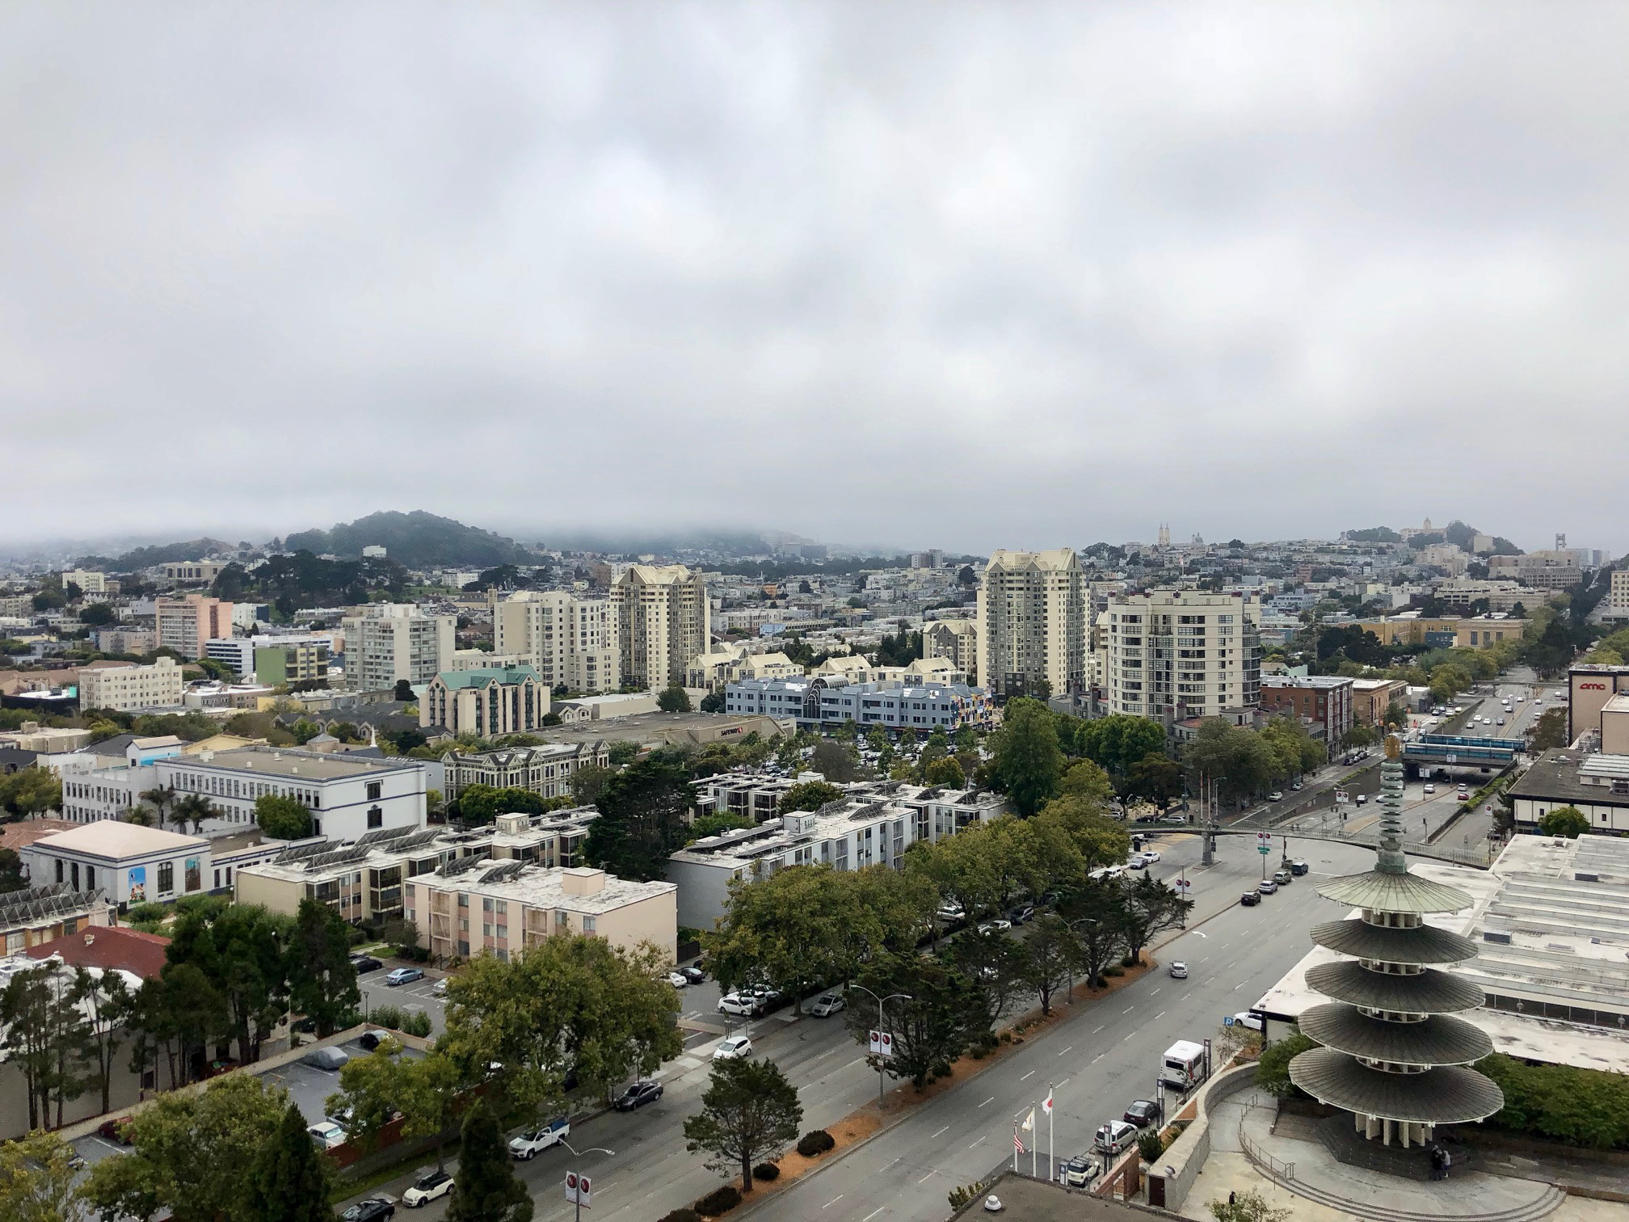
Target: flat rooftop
{"x":307,"y":765}
{"x":544,"y":887}
{"x":1553,"y":949}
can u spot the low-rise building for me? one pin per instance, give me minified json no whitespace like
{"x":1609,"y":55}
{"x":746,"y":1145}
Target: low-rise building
{"x":870,"y":825}
{"x":122,"y":638}
{"x":725,"y":663}
{"x":274,"y":660}
{"x":547,"y":770}
{"x":1326,"y":699}
{"x":1372,"y":697}
{"x":955,"y":639}
{"x":608,"y":707}
{"x":890,"y":704}
{"x":1479,"y":631}
{"x":131,"y":864}
{"x":472,"y":907}
{"x":191,"y":572}
{"x":1597,"y":784}
{"x":1590,"y":687}
{"x":1412,"y":628}
{"x":42,"y":912}
{"x":486,"y":702}
{"x":130,"y":687}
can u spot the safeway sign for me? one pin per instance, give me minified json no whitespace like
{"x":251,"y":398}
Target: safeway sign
{"x":578,"y":1188}
{"x":882,"y":1043}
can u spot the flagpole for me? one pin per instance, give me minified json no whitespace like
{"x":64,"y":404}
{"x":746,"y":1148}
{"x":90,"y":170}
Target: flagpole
{"x":1051,"y":1147}
{"x":1034,"y":1149}
{"x":1015,"y":1147}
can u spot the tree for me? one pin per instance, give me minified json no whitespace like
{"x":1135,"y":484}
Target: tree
{"x":1149,"y":906}
{"x":1566,"y":821}
{"x":30,"y":792}
{"x":749,"y":1114}
{"x":322,"y":978}
{"x":941,"y":1013}
{"x":944,"y":772}
{"x":1028,"y":762}
{"x":99,"y":614}
{"x":403,"y":692}
{"x":1092,"y":910}
{"x":193,"y":808}
{"x":588,"y":782}
{"x":835,"y":761}
{"x":242,"y":951}
{"x":282,"y":818}
{"x":673,"y":699}
{"x":1118,"y":741}
{"x":292,"y":1182}
{"x":716,"y":822}
{"x":1273,"y":1069}
{"x":1156,"y":777}
{"x":192,"y":1154}
{"x":1549,"y":732}
{"x":1096,"y":840}
{"x":37,"y":1181}
{"x":996,"y":960}
{"x":621,"y":754}
{"x":1359,"y":735}
{"x":641,"y":821}
{"x":175,"y":1015}
{"x":1051,"y":953}
{"x":1251,"y":1207}
{"x":712,"y":702}
{"x":1239,"y":760}
{"x":105,"y":1001}
{"x":808,"y":795}
{"x":1087,"y":781}
{"x":40,"y":1015}
{"x":486,"y":1188}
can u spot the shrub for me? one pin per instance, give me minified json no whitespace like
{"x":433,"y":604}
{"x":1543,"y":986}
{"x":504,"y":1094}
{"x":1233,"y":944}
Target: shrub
{"x":942,"y":1069}
{"x":386,"y":1016}
{"x":1273,"y":1069}
{"x":766,"y":1171}
{"x":1582,"y":1107}
{"x":719,"y":1201}
{"x":685,"y":1214}
{"x":417,"y":1023}
{"x":815,"y":1142}
{"x":1150,"y":1146}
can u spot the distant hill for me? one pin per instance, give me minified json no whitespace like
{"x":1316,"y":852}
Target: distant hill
{"x":163,"y":553}
{"x":416,"y":539}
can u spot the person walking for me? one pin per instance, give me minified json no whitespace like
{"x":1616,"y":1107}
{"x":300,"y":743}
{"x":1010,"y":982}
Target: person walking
{"x":1447,"y":1162}
{"x":1436,"y":1162}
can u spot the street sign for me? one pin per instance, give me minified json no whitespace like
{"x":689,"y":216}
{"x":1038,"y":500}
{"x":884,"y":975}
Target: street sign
{"x":1264,"y":835}
{"x":1341,"y":796}
{"x":1182,"y":884}
{"x":1226,"y":1022}
{"x":1265,"y":849}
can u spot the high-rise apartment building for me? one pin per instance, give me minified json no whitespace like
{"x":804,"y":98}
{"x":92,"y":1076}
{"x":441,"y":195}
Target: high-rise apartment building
{"x":663,"y":620}
{"x":1176,"y":654}
{"x":569,"y":640}
{"x":956,"y":639}
{"x":1031,"y":623}
{"x":389,"y":642}
{"x":187,"y":624}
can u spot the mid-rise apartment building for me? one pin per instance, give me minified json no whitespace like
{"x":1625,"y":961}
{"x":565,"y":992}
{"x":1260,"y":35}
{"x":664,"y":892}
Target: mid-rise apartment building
{"x":194,"y":572}
{"x":1031,"y":624}
{"x":726,"y":663}
{"x":1176,"y":654}
{"x":663,"y":620}
{"x":128,"y":688}
{"x":546,"y":770}
{"x":389,"y":642}
{"x":123,"y":639}
{"x":1545,"y":570}
{"x":89,"y":581}
{"x":956,"y":639}
{"x":1325,"y":699}
{"x":188,"y":624}
{"x":571,"y":641}
{"x":291,"y":658}
{"x":891,"y":704}
{"x":486,"y":702}
{"x":1617,"y":597}
{"x":469,"y":908}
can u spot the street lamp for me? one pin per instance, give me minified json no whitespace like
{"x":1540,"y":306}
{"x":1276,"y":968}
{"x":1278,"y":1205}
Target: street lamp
{"x":879,"y":1001}
{"x":573,"y":1179}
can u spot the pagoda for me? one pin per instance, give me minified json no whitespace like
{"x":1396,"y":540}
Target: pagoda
{"x":1393,"y":1054}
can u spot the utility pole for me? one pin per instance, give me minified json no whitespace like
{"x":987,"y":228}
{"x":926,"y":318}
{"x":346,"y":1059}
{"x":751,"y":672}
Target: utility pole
{"x":881,"y":1058}
{"x":1206,"y":822}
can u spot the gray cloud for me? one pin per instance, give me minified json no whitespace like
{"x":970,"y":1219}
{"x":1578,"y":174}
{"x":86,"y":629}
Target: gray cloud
{"x":971,"y":275}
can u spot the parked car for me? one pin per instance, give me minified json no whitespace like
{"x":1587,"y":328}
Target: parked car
{"x":1266,"y":886}
{"x":1299,"y":867}
{"x":950,"y":912}
{"x":828,"y":1003}
{"x":678,"y":980}
{"x":374,"y":1209}
{"x":1249,"y":899}
{"x":373,"y":1038}
{"x":742,"y":1005}
{"x":1150,"y":856}
{"x":1142,"y":1113}
{"x":325,"y":1058}
{"x":693,"y":974}
{"x":427,"y":1188}
{"x":114,"y":1130}
{"x":1179,"y":970}
{"x":996,"y":926}
{"x":1282,"y":877}
{"x":1137,"y":862}
{"x":1114,"y":1137}
{"x":532,"y":1142}
{"x":734,"y":1048}
{"x":365,"y":963}
{"x":1022,"y":914}
{"x":440,"y":989}
{"x":404,"y":975}
{"x":327,"y":1134}
{"x":637,"y":1095}
{"x":1430,"y":789}
{"x":1276,"y":796}
{"x":1080,"y":1172}
{"x":1246,"y":1019}
{"x":1295,"y":785}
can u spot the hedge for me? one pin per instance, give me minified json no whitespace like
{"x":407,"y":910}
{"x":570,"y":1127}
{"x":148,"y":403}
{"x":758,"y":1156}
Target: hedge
{"x":685,"y":1214}
{"x":1273,"y":1068}
{"x":766,"y":1171}
{"x":1581,"y":1107}
{"x":719,"y":1201}
{"x":815,"y":1141}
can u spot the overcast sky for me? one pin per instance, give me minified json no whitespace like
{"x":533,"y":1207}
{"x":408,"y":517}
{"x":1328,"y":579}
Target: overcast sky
{"x":945,"y":274}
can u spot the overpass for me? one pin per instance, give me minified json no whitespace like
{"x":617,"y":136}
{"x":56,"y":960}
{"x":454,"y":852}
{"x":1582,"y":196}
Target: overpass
{"x":1438,"y":749}
{"x":1460,"y":857}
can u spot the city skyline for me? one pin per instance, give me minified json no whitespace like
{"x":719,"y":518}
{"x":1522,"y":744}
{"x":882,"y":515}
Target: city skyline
{"x":1266,"y":272}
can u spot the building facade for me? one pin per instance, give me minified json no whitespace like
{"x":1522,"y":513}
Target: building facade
{"x":663,"y":620}
{"x":890,"y":704}
{"x":188,"y":624}
{"x":131,"y":864}
{"x":571,"y":641}
{"x":726,"y":663}
{"x":1176,"y":654}
{"x":1031,"y":624}
{"x":488,"y":702}
{"x":1326,"y":699}
{"x":956,"y":639}
{"x":390,"y":642}
{"x":547,"y":770}
{"x":126,"y":640}
{"x":126,"y":689}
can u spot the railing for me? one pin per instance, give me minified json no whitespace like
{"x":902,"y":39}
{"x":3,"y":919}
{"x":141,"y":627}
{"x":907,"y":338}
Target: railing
{"x":1276,"y":1168}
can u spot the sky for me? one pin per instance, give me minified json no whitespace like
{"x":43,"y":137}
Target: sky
{"x":959,"y":275}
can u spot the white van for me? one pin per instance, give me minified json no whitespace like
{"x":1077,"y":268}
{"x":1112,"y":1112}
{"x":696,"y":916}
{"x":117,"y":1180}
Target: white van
{"x":1183,"y":1065}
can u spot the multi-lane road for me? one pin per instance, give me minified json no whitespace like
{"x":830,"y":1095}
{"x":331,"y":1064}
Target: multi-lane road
{"x":1100,"y":1059}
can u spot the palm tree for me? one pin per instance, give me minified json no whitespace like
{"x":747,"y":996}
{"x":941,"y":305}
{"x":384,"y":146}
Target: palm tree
{"x":141,"y":816}
{"x":194,"y":808}
{"x":160,"y":798}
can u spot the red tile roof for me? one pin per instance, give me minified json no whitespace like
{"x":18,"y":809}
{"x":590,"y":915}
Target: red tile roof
{"x":114,"y":946}
{"x":25,"y":832}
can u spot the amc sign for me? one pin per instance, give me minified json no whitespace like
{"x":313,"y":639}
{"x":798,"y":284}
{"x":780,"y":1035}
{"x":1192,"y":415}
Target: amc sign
{"x":1592,"y":687}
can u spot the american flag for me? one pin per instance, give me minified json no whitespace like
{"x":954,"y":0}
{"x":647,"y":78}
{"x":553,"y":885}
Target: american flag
{"x":1017,"y":1142}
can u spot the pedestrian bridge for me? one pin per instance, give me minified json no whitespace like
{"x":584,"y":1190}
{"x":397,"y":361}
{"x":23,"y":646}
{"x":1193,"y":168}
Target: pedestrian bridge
{"x":1437,"y":749}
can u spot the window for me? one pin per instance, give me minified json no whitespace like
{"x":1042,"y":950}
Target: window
{"x":166,"y":877}
{"x":375,"y":790}
{"x":588,"y":924}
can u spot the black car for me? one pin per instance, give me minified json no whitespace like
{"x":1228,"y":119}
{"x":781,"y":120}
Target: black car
{"x":693,"y":974}
{"x":372,"y":1210}
{"x":1022,"y":913}
{"x":637,"y":1095}
{"x":1250,"y":899}
{"x":1142,"y":1113}
{"x":365,"y":963}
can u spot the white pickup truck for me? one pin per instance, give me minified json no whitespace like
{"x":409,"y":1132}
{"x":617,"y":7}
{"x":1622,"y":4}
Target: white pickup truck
{"x":529,"y":1144}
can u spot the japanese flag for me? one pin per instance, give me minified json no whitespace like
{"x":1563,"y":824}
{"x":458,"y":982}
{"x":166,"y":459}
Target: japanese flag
{"x":1046,"y":1104}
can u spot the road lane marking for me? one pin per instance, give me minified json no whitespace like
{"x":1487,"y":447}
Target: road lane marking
{"x":1061,"y":1085}
{"x":873,"y":1213}
{"x":991,"y":1099}
{"x":861,"y":1060}
{"x":946,"y":1129}
{"x":927,"y":1177}
{"x":1156,"y":991}
{"x":981,"y":1140}
{"x":833,"y":1201}
{"x":1133,"y":1005}
{"x":1095,"y":1030}
{"x":827,"y":1053}
{"x":1097,"y":1058}
{"x":1128,"y":1037}
{"x":1071,"y":1048}
{"x":1027,"y":1076}
{"x":1240,"y":985}
{"x":1159,"y":1016}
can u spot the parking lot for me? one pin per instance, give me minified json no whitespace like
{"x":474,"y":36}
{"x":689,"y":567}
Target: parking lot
{"x":419,"y":995}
